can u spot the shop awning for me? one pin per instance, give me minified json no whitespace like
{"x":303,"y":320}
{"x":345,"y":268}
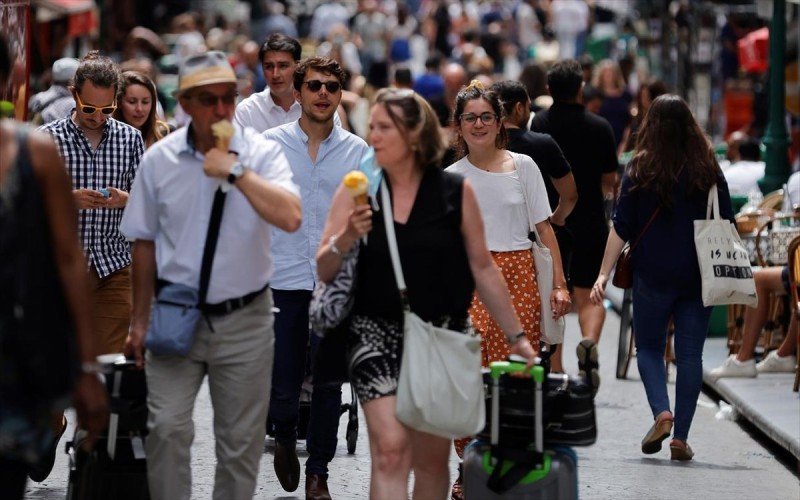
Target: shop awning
{"x":80,"y":14}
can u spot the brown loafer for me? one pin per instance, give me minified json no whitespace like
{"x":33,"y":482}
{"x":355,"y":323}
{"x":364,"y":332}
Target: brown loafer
{"x":317,"y":487}
{"x":287,"y":466}
{"x":680,"y":450}
{"x":658,"y":432}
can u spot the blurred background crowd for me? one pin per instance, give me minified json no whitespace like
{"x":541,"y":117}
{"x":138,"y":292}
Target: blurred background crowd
{"x":713,"y":53}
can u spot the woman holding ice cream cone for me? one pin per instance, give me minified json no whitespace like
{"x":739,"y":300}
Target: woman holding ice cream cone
{"x":441,"y":243}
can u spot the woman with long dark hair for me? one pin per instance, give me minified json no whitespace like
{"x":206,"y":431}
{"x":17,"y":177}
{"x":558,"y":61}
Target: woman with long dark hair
{"x":137,"y":107}
{"x":668,"y":180}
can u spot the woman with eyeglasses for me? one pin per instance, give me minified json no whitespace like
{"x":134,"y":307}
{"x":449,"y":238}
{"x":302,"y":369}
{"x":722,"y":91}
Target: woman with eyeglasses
{"x":439,"y":233}
{"x":511,"y":194}
{"x":137,"y":106}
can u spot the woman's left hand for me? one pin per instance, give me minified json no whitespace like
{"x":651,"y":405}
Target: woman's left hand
{"x":560,"y":302}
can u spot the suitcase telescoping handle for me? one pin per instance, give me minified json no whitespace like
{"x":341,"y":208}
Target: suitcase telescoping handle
{"x":537,"y":373}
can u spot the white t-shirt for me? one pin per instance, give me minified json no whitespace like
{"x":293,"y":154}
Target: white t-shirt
{"x":793,"y":187}
{"x":743,"y":176}
{"x":506,"y":218}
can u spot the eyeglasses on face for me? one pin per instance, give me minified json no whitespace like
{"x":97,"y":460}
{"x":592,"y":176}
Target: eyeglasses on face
{"x":209,"y":100}
{"x":485,"y":118}
{"x":90,"y":110}
{"x":316,"y":85}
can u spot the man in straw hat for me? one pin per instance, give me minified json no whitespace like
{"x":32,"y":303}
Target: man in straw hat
{"x":168,"y":217}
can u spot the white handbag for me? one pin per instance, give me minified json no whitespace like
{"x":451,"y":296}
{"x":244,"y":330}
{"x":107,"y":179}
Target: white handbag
{"x":724,"y":262}
{"x":440,"y":390}
{"x":552,"y":329}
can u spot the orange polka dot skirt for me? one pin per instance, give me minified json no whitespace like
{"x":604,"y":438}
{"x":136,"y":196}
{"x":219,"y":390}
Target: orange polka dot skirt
{"x":519,"y":272}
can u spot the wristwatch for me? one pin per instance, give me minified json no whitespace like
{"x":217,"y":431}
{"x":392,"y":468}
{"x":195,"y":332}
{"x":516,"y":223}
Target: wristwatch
{"x":237,"y":171}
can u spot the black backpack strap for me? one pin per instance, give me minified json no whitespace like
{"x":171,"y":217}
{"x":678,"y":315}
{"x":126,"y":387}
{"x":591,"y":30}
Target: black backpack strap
{"x":523,"y":462}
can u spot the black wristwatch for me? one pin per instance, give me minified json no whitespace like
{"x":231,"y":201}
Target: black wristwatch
{"x":237,"y":171}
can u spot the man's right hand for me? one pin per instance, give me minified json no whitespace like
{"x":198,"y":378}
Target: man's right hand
{"x":134,"y":345}
{"x":87,"y":199}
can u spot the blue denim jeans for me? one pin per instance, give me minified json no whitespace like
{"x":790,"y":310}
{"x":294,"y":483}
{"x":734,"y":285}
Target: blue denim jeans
{"x":291,"y":349}
{"x":653,"y":306}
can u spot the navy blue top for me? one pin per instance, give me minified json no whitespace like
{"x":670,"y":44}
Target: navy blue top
{"x":666,"y":253}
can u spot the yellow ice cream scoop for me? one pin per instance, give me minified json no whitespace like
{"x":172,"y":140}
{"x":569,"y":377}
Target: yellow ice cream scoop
{"x":223,"y":131}
{"x":357,"y":185}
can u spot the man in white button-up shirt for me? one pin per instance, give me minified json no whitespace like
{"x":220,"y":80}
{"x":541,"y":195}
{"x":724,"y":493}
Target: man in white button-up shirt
{"x":168,"y":216}
{"x":275,"y":105}
{"x":320,"y":154}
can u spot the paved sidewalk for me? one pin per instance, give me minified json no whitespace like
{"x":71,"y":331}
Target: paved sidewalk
{"x":767,"y":401}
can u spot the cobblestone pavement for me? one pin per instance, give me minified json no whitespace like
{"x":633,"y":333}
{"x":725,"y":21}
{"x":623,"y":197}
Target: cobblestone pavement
{"x":729,"y":464}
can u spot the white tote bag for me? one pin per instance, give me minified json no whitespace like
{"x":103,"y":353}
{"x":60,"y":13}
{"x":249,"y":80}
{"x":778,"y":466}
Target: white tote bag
{"x":724,"y":261}
{"x":440,"y":390}
{"x":552,"y":329}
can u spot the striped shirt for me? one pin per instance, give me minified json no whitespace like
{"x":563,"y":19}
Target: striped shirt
{"x":114,"y":164}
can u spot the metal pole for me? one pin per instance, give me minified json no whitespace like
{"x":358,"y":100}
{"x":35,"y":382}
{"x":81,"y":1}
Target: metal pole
{"x":776,"y":137}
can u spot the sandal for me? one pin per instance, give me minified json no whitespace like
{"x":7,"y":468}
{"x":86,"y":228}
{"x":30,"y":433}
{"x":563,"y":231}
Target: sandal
{"x":658,"y":432}
{"x":680,"y":450}
{"x":457,"y":493}
{"x":587,"y":363}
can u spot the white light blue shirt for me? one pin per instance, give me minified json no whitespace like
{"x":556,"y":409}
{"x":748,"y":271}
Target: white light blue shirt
{"x":261,"y":112}
{"x":170,"y":204}
{"x":295,"y":253}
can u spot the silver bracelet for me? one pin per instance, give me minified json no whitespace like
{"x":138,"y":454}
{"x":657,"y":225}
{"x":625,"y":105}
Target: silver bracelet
{"x":333,"y":248}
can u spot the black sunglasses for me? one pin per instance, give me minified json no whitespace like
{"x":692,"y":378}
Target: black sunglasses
{"x":316,"y":85}
{"x":210,"y":100}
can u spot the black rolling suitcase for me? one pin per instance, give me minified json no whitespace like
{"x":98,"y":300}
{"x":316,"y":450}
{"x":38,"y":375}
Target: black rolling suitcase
{"x":116,"y":467}
{"x":503,"y":469}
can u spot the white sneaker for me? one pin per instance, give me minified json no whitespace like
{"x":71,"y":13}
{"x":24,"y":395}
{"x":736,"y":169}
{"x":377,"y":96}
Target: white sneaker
{"x":776,"y":364}
{"x":735,"y":368}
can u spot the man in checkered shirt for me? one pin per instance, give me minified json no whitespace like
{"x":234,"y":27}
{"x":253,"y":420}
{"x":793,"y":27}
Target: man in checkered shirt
{"x":101,"y":155}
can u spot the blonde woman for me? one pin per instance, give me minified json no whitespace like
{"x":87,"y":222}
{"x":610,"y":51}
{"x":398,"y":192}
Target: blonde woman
{"x":440,"y":238}
{"x":616,"y":107}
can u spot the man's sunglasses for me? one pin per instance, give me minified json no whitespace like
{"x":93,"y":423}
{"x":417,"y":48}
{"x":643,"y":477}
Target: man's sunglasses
{"x":210,"y":100}
{"x":90,"y":110}
{"x":316,"y":85}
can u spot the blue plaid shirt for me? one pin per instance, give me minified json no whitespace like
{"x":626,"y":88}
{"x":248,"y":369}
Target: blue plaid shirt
{"x":114,"y":164}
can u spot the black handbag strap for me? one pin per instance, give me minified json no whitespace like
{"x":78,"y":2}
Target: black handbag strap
{"x":211,"y":243}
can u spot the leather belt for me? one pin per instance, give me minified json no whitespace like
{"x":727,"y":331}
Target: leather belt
{"x":231,"y":305}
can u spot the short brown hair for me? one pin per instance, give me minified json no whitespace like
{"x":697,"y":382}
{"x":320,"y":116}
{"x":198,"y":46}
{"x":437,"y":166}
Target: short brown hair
{"x":322,"y":64}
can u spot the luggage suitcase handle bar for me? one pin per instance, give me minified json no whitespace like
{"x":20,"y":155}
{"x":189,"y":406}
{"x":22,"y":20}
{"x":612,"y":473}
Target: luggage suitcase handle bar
{"x":537,"y":373}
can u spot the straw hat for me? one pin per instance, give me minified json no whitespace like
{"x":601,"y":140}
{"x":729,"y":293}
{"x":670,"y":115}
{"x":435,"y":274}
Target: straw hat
{"x":204,"y":69}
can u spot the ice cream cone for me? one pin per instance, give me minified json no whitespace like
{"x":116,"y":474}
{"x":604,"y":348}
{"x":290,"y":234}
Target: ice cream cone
{"x":223,"y":131}
{"x":357,"y":185}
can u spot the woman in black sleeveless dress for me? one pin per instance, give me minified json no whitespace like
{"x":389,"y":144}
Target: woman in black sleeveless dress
{"x":444,"y":256}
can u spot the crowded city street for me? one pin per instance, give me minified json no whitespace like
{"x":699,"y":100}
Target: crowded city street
{"x":737,"y":462}
{"x":399,"y":249}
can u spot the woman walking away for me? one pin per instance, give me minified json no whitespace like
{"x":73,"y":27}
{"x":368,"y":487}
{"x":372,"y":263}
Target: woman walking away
{"x":668,"y":180}
{"x":440,"y":237}
{"x":511,"y":194}
{"x":137,"y":107}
